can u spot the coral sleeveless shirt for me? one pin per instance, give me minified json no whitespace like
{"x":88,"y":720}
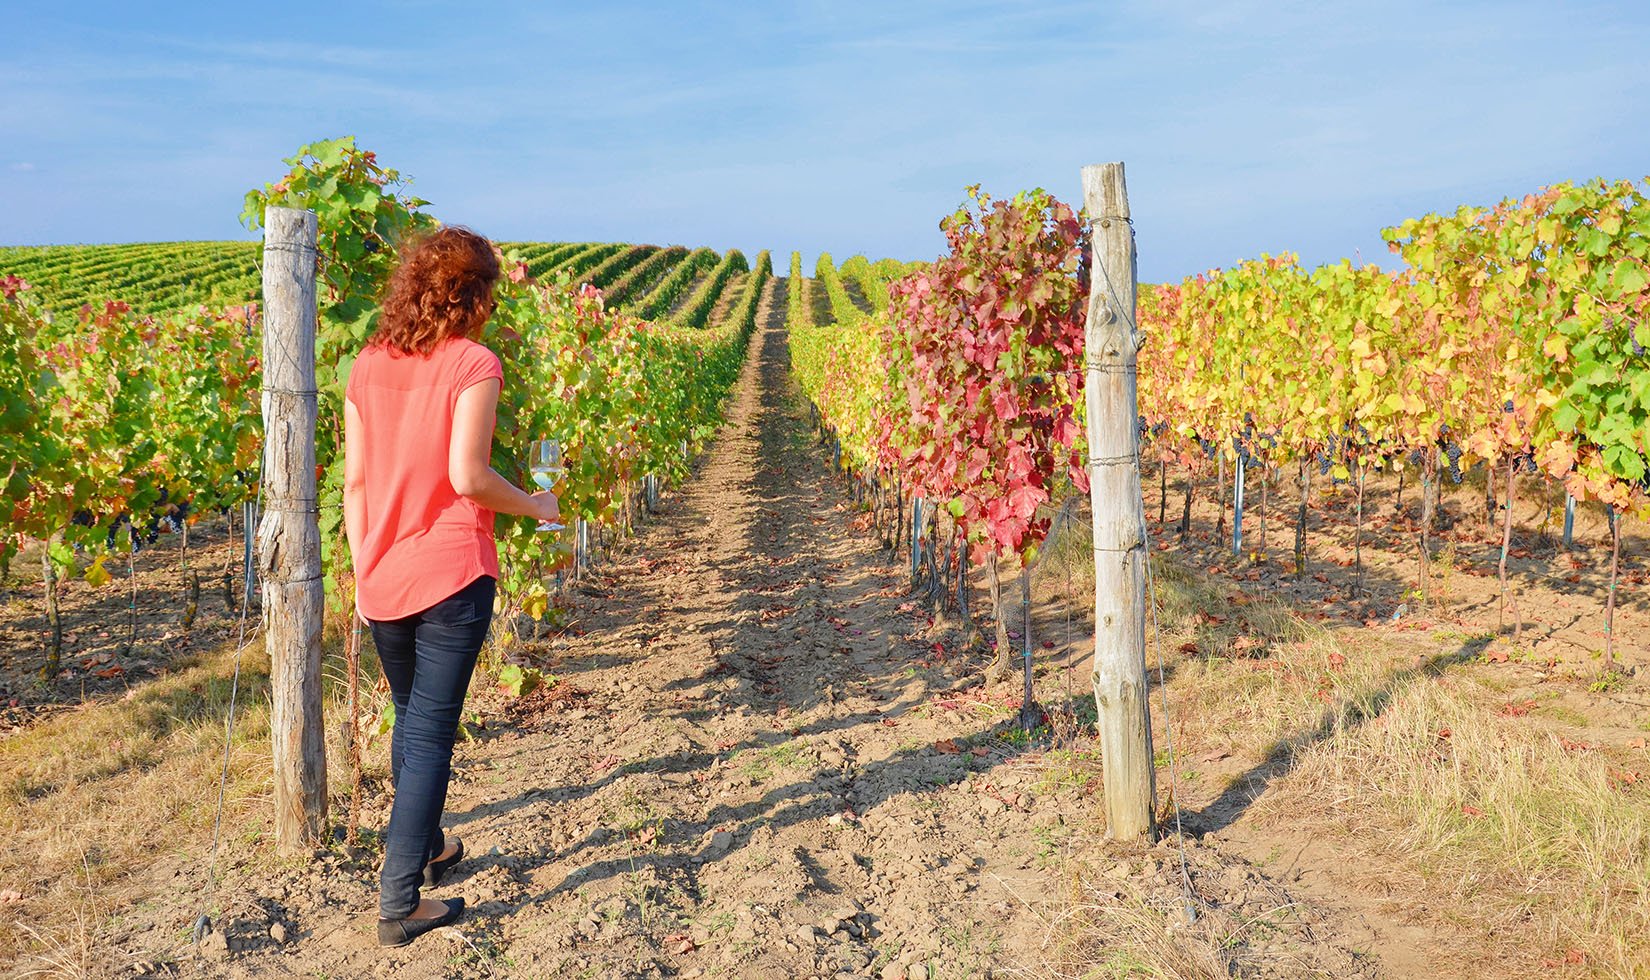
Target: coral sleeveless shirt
{"x":423,"y":541}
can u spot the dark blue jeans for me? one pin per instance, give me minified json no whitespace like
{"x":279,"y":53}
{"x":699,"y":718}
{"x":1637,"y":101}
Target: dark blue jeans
{"x":428,"y":659}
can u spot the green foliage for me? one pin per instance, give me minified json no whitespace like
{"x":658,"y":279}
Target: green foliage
{"x":658,"y":302}
{"x":874,"y":277}
{"x":615,"y":274}
{"x":104,"y":412}
{"x":519,"y":681}
{"x":642,"y":275}
{"x":843,"y":309}
{"x":796,"y":309}
{"x":26,"y":442}
{"x":362,"y":219}
{"x":1516,"y":331}
{"x":696,"y":312}
{"x":157,"y":277}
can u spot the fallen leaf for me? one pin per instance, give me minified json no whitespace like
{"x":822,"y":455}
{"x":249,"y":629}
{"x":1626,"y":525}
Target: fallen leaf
{"x":947,"y":746}
{"x":1471,"y":810}
{"x":979,"y":751}
{"x":107,"y":672}
{"x":679,"y":943}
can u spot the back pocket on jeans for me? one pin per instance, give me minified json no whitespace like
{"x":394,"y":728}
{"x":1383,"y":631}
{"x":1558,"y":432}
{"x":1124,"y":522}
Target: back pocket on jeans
{"x":467,"y":605}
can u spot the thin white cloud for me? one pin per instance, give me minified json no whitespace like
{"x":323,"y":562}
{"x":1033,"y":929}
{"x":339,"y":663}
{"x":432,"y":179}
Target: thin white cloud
{"x":22,"y":167}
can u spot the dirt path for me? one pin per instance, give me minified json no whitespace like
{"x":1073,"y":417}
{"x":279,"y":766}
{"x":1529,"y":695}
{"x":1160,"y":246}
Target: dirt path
{"x":739,"y":773}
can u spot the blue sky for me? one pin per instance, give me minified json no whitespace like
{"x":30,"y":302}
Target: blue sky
{"x":1246,"y":127}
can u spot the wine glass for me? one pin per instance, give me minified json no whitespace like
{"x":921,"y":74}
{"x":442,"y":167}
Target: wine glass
{"x":545,"y":465}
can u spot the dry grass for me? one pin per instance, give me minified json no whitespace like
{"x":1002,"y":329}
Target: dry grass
{"x":1521,"y":835}
{"x":1112,"y":940}
{"x":1112,"y":929}
{"x":93,"y":795}
{"x":1396,"y":752}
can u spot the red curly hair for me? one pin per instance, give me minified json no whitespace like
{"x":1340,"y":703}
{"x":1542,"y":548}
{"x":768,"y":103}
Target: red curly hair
{"x":442,"y":289}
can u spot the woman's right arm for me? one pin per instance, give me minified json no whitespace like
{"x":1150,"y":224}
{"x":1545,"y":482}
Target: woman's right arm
{"x":470,"y":459}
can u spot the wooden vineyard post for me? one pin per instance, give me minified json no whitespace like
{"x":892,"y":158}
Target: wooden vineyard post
{"x":289,"y":536}
{"x":1113,"y":343}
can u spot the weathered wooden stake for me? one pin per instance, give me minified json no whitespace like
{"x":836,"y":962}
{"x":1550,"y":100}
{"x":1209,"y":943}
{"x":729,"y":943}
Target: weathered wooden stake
{"x":289,"y":536}
{"x":1113,"y":343}
{"x":54,"y":616}
{"x":1610,"y":603}
{"x":1506,"y":546}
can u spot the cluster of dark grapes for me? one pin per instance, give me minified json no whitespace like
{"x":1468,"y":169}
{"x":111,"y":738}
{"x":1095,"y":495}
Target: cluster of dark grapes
{"x":1326,"y":457}
{"x":1632,"y":326}
{"x":1452,"y":454}
{"x":1452,"y":457}
{"x":139,"y":534}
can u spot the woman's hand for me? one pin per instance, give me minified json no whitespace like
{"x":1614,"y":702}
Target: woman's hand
{"x":549,"y":507}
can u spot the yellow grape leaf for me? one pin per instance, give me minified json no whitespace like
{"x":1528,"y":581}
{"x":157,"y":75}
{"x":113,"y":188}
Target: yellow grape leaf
{"x":97,"y":575}
{"x":1555,"y":348}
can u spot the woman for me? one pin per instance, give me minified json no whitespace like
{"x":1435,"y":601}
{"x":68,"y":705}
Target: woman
{"x":419,"y":500}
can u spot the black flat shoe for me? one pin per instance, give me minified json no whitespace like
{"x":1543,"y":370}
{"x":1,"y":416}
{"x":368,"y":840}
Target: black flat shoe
{"x":436,"y":870}
{"x":400,"y":932}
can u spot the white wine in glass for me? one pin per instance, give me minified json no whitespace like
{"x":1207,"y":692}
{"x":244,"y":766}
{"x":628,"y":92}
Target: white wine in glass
{"x":545,"y":465}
